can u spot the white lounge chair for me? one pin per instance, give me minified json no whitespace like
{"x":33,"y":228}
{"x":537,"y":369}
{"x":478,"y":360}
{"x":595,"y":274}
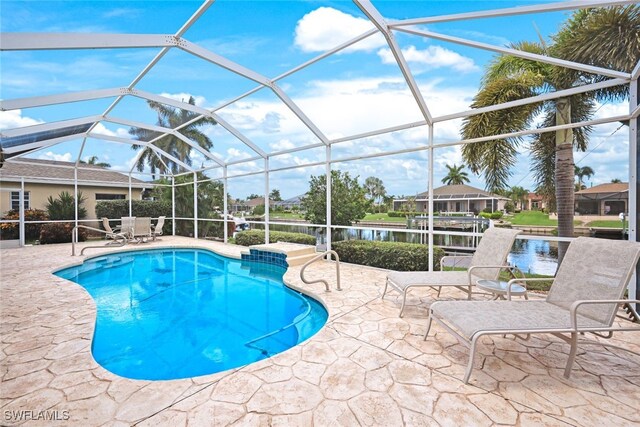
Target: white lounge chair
{"x":112,"y":234}
{"x":488,"y":260}
{"x":156,"y":230}
{"x":126,"y":226}
{"x":585,"y":296}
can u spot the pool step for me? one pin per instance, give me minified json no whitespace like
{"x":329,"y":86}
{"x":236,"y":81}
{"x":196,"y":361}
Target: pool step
{"x":300,"y":259}
{"x":296,"y":254}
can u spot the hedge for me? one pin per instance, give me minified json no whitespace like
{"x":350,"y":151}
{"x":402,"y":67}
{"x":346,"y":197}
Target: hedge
{"x":402,"y":214}
{"x":390,"y":255}
{"x":10,"y":230}
{"x":256,"y":237}
{"x":116,"y":209}
{"x":60,"y":232}
{"x":491,"y":215}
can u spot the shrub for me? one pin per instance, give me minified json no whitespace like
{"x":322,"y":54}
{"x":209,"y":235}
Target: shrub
{"x":487,"y":210}
{"x":485,"y":215}
{"x":115,"y":209}
{"x":64,"y":207}
{"x":496,"y":215}
{"x":60,"y":232}
{"x":258,"y":210}
{"x":509,"y":207}
{"x":390,"y":255}
{"x":256,"y":237}
{"x":9,"y":231}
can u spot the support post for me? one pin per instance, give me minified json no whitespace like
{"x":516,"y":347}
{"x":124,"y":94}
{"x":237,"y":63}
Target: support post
{"x":195,"y":205}
{"x":328,"y":184}
{"x":634,"y":183}
{"x":266,"y":200}
{"x":21,"y":212}
{"x":75,"y":194}
{"x":430,"y":190}
{"x":173,"y":206}
{"x":130,"y":197}
{"x":225,"y":208}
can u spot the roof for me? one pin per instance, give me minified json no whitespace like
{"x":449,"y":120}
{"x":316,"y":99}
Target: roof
{"x":56,"y":172}
{"x":610,"y":187}
{"x":459,"y":191}
{"x":535,"y":196}
{"x":257,"y":202}
{"x":292,"y":201}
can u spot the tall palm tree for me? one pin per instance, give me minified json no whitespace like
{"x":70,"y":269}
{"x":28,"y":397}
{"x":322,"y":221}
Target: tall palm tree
{"x":93,"y":160}
{"x":374,"y":188}
{"x":517,"y":195}
{"x":455,"y":175}
{"x":612,"y":37}
{"x":583,"y":172}
{"x":170,"y":117}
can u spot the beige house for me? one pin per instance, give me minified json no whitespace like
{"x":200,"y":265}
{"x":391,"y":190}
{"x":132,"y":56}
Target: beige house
{"x":604,"y":199}
{"x":44,"y":178}
{"x":455,"y":198}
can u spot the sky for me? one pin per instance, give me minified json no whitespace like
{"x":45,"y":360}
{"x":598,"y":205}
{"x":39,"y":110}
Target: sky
{"x":358,"y":90}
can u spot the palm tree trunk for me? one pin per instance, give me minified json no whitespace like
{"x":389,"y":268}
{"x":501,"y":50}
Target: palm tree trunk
{"x":564,"y":175}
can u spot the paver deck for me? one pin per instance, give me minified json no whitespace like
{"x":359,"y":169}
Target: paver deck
{"x":365,"y":367}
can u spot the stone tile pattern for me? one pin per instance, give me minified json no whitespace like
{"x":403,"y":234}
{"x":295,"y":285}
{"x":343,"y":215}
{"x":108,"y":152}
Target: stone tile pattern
{"x":365,"y":367}
{"x":267,"y":257}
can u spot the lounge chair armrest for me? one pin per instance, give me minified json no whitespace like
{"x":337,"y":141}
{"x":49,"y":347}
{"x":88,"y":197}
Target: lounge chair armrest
{"x":573,"y":310}
{"x":452,"y":256}
{"x":478,"y":267}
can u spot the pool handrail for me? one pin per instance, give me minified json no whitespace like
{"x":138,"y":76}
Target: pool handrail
{"x":316,"y":258}
{"x":74,"y":238}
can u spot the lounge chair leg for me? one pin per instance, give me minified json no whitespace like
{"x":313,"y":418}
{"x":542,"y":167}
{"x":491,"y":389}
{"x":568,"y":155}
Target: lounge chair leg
{"x":428,"y":327}
{"x":386,"y":284}
{"x":572,"y":354}
{"x":469,"y":297}
{"x":439,"y":290}
{"x":472,"y":356}
{"x":404,"y":301}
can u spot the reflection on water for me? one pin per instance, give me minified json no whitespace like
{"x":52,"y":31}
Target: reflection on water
{"x":530,"y":256}
{"x":535,"y":256}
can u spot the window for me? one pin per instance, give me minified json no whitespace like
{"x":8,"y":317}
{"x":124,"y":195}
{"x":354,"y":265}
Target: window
{"x":100,"y":196}
{"x":15,"y":200}
{"x":535,"y":204}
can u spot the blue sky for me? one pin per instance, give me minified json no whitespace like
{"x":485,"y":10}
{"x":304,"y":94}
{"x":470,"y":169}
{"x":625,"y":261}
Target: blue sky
{"x":355,"y":91}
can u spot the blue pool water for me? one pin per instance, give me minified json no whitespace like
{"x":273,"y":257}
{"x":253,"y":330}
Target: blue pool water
{"x":178,"y":313}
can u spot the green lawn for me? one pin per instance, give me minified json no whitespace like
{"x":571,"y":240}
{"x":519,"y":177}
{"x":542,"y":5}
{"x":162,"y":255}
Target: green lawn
{"x":543,"y":286}
{"x":383,"y":217}
{"x":535,"y":218}
{"x":285,"y":215}
{"x":605,"y":223}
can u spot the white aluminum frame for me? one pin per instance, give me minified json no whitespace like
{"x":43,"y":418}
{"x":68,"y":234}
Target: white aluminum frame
{"x":387,"y":28}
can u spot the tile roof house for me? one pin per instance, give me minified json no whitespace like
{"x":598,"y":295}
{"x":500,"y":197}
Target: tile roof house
{"x":44,"y":178}
{"x":604,"y":199}
{"x":455,"y":198}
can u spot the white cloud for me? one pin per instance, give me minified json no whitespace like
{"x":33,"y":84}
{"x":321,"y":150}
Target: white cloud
{"x":326,"y":27}
{"x":14,"y":119}
{"x":120,"y":132}
{"x":184,"y":97}
{"x":431,"y":58}
{"x":50,"y":155}
{"x":283,"y":144}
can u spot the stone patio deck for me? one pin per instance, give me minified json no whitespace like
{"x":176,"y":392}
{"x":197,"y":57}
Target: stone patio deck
{"x":365,"y":367}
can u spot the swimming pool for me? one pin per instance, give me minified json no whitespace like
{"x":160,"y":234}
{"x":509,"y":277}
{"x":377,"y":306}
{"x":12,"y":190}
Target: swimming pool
{"x":178,"y":313}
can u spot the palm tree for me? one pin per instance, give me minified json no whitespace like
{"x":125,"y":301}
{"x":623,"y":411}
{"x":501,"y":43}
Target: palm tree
{"x":612,"y":37}
{"x":517,"y":195}
{"x":93,"y":160}
{"x":455,"y":175}
{"x":616,"y":181}
{"x":374,"y":188}
{"x":583,"y":172}
{"x":170,"y":117}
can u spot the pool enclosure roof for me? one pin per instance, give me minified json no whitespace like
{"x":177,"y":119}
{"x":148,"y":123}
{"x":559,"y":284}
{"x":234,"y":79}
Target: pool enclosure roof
{"x":24,"y":140}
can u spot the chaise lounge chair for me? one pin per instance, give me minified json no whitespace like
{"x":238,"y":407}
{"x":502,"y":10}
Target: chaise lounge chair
{"x":488,"y":260}
{"x":584,"y":297}
{"x":156,"y":230}
{"x":111,"y":234}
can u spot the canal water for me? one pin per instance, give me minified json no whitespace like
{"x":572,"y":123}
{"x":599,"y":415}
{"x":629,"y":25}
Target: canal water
{"x":530,"y":256}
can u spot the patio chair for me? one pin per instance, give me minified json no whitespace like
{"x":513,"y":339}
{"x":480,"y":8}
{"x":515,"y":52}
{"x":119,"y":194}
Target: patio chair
{"x":156,"y":230}
{"x":126,"y":226}
{"x":584,"y":298}
{"x":112,"y":234}
{"x":142,"y":229}
{"x":488,"y":260}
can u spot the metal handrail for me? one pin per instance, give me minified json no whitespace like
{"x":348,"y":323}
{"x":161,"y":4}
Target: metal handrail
{"x":74,"y":238}
{"x":316,"y":258}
